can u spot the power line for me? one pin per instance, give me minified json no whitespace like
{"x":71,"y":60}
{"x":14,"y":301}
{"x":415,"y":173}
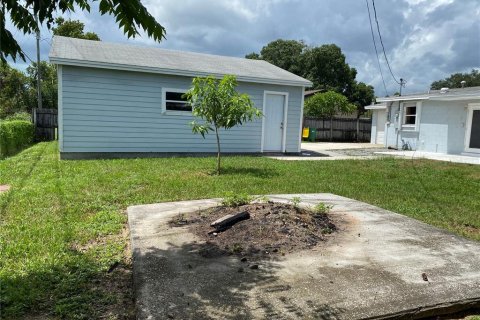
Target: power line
{"x":376,"y":51}
{"x":381,"y":41}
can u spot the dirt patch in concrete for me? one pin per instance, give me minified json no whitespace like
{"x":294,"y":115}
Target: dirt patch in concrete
{"x":272,"y":229}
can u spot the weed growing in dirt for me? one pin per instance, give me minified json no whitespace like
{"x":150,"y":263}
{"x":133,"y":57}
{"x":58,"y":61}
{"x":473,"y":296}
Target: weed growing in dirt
{"x":322,"y":208}
{"x":295,"y":202}
{"x":236,"y":199}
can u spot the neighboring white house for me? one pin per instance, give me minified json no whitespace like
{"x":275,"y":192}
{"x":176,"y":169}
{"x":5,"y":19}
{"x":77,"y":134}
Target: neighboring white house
{"x":117,"y":100}
{"x":443,"y":121}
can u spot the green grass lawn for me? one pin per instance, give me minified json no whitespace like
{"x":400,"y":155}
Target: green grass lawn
{"x":63,"y":222}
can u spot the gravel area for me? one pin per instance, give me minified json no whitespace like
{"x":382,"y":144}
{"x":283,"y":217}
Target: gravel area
{"x":361,"y":152}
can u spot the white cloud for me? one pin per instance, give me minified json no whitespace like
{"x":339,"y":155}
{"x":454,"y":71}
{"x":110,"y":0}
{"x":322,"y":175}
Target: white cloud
{"x":425,"y":40}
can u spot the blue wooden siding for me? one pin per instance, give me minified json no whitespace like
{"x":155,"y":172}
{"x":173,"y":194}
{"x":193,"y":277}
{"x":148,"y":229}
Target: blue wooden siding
{"x":119,"y":111}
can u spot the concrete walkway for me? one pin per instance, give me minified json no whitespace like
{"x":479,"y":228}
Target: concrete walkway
{"x":373,"y":267}
{"x":434,"y":156}
{"x":328,"y":151}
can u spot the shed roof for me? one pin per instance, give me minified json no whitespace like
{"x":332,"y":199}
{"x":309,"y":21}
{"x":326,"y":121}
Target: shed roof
{"x":79,"y":52}
{"x":447,"y":94}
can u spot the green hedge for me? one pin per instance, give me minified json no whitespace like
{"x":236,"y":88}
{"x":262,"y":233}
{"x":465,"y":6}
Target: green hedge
{"x":15,"y":135}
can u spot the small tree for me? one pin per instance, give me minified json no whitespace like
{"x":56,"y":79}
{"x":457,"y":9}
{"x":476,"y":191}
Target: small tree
{"x":327,"y":105}
{"x":219,"y":105}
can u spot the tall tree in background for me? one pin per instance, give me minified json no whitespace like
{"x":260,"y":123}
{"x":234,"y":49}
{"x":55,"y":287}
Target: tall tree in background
{"x":130,"y":15}
{"x":14,"y":91}
{"x":327,"y":105}
{"x":286,"y":54}
{"x":48,"y":73}
{"x":327,"y":68}
{"x":471,"y":79}
{"x":73,"y":29}
{"x":325,"y":65}
{"x":361,"y":95}
{"x":253,"y":56}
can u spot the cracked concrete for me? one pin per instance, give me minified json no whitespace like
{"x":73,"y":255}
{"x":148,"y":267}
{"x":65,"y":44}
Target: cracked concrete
{"x":370,"y":269}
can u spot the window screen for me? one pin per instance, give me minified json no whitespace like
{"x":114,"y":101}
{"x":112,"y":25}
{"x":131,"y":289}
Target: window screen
{"x":174,"y":101}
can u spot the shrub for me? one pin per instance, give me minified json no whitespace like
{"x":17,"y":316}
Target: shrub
{"x":235,"y":200}
{"x":322,"y":208}
{"x":15,"y":135}
{"x":295,"y":201}
{"x":24,"y":116}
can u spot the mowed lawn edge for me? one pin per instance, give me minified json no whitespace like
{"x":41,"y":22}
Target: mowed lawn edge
{"x":63,"y":238}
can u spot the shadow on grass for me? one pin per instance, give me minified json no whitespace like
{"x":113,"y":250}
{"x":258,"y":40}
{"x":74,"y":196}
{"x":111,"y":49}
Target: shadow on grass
{"x":250,"y":171}
{"x":23,"y":181}
{"x":198,"y":281}
{"x":76,"y":290}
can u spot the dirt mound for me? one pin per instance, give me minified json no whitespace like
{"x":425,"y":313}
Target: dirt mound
{"x":272,"y":229}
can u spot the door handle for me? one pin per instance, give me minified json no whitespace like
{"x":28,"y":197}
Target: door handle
{"x":281,"y":125}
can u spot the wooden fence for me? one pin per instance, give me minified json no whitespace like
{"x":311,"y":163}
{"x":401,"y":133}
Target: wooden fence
{"x":344,"y":130}
{"x":46,"y":124}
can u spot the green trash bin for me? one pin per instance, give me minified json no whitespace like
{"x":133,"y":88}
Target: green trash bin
{"x":312,"y":135}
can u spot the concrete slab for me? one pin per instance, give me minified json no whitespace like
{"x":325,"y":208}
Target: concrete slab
{"x":371,"y":269}
{"x":328,"y":151}
{"x":434,"y":156}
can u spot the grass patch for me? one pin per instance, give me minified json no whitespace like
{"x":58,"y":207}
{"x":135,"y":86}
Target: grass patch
{"x":62,"y":222}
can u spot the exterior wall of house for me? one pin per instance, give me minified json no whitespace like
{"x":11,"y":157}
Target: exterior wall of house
{"x":110,"y":111}
{"x":441,"y":128}
{"x":373,"y":132}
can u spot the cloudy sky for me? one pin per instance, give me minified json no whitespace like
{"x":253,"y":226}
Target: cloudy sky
{"x":425,"y":40}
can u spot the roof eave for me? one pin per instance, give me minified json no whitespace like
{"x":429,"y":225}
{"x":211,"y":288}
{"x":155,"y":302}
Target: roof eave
{"x":376,"y":107}
{"x":431,"y":97}
{"x":401,"y":98}
{"x":116,"y":66}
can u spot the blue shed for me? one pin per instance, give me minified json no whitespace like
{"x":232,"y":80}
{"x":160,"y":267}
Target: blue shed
{"x":118,"y":100}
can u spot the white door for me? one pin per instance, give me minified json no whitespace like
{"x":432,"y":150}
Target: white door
{"x":381,"y":119}
{"x":472,"y":141}
{"x":274,"y":113}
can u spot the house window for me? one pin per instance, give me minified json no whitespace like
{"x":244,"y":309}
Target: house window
{"x":175,"y":101}
{"x":410,"y":117}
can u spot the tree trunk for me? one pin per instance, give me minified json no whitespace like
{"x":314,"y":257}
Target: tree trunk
{"x":218,"y":150}
{"x":331,"y":128}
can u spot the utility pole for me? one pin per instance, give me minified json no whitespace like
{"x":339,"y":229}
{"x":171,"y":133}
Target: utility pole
{"x":402,"y":85}
{"x":39,"y":73}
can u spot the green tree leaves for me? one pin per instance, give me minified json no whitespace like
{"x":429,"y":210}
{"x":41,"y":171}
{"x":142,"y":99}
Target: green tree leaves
{"x":73,"y":29}
{"x":471,"y":79}
{"x":130,"y":15}
{"x":286,"y":54}
{"x":327,"y":104}
{"x":18,"y":90}
{"x":219,"y":105}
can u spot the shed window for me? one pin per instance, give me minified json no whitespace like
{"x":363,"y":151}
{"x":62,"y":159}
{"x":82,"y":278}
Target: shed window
{"x":175,"y":101}
{"x":410,"y":117}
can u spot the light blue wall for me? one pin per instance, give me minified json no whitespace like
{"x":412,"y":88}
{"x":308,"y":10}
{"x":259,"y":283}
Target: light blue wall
{"x":442,"y":127}
{"x":120,"y":111}
{"x":373,"y":133}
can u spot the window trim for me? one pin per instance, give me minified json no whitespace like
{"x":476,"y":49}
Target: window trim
{"x":164,"y":102}
{"x":468,"y":128}
{"x":403,"y":108}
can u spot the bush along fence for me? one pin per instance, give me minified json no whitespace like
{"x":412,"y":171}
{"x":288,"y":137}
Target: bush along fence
{"x":344,"y":129}
{"x":15,"y":135}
